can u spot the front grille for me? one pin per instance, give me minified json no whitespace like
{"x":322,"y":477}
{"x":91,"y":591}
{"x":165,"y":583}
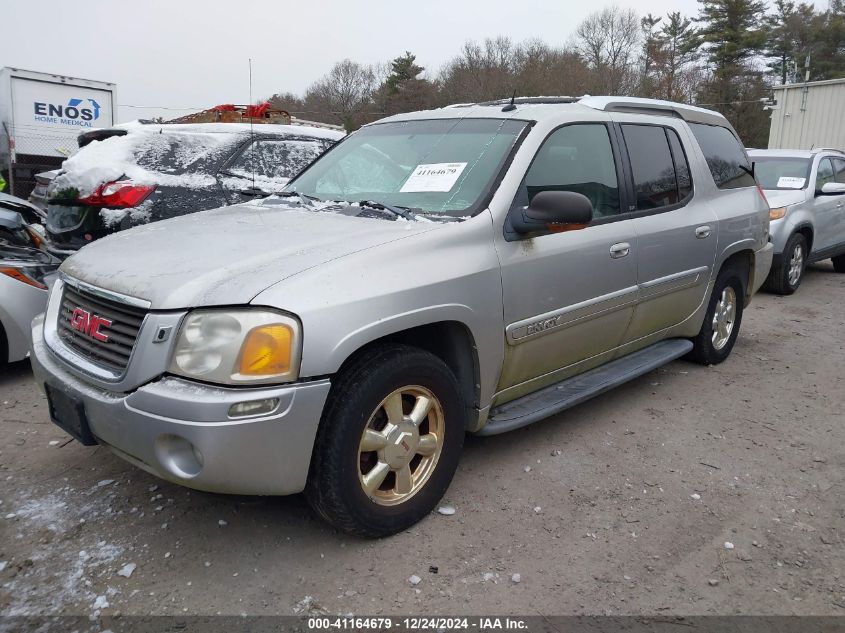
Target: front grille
{"x":112,"y":354}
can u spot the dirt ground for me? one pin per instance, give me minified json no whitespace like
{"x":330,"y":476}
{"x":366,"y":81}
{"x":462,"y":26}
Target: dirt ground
{"x":691,"y":490}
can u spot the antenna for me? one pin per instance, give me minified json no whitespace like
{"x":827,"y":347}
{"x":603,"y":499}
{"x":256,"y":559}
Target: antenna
{"x":251,"y":130}
{"x":512,"y":105}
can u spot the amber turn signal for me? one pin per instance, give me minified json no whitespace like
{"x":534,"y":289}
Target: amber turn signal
{"x":777,"y":213}
{"x":267,"y":351}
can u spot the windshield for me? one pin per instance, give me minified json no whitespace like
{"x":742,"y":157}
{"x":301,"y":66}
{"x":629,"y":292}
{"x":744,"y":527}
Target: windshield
{"x":782,"y":173}
{"x":437,"y":166}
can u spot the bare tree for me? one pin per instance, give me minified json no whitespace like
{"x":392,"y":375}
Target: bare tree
{"x":345,"y":92}
{"x":608,"y":40}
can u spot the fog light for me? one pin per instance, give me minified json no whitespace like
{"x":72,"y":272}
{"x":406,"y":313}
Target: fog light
{"x":178,"y":456}
{"x":253,"y":407}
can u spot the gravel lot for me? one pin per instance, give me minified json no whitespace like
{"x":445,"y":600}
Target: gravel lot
{"x":624,"y":505}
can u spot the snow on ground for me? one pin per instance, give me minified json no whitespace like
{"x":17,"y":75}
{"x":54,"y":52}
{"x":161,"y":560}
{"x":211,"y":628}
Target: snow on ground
{"x":64,"y":566}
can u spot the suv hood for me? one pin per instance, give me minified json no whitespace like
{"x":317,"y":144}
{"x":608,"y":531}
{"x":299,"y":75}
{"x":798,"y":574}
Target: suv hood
{"x":784,"y":198}
{"x":226,"y":256}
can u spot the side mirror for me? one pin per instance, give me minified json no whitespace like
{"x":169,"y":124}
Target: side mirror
{"x":553,"y":211}
{"x":832,"y":189}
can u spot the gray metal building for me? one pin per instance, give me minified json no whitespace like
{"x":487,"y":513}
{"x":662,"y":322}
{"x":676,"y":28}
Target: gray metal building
{"x":808,"y":115}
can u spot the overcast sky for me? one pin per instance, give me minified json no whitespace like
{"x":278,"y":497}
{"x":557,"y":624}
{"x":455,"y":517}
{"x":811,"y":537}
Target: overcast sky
{"x":191,"y":53}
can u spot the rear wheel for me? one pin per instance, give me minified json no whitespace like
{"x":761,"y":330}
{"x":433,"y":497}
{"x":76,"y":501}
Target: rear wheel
{"x":721,"y":324}
{"x":388,"y":443}
{"x":838,"y":263}
{"x":785,"y":278}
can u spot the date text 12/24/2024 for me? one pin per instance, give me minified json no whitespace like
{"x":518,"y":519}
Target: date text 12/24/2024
{"x":418,"y":623}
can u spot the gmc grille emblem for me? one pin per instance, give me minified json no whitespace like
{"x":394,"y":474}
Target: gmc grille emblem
{"x":89,"y":324}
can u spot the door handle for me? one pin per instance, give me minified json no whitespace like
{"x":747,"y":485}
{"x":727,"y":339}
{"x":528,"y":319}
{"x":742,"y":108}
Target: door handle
{"x":702,"y":231}
{"x":620,"y":250}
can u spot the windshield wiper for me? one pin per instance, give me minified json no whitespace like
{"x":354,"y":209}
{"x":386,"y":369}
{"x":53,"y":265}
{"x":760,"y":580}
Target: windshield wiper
{"x":307,"y":201}
{"x":398,"y":211}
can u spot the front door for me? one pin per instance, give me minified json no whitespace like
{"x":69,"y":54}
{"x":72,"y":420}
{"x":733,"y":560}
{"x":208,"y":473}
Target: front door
{"x":568,"y":296}
{"x":829,"y":211}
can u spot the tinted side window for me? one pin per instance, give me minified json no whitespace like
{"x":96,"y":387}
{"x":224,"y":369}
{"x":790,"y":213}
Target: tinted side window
{"x":839,"y":167}
{"x":655,"y":184}
{"x":575,"y":158}
{"x":682,"y":170}
{"x":725,"y":157}
{"x":825,"y":173}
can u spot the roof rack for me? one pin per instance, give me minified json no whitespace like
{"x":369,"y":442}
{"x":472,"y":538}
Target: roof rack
{"x":689,"y":113}
{"x":829,"y":149}
{"x":529,"y":100}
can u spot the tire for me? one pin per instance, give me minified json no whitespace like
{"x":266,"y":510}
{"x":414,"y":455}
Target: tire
{"x":782,"y":278}
{"x":341,"y":465}
{"x":710,"y":348}
{"x":838,"y":263}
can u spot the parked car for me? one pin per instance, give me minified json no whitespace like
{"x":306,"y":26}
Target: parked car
{"x":31,"y":213}
{"x":473,"y":268}
{"x":137,"y":174}
{"x":806,"y":192}
{"x":38,"y":196}
{"x":24,"y":273}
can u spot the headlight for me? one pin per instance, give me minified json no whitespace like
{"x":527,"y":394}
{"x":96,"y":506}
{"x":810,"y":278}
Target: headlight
{"x":238,"y":347}
{"x":777,"y":213}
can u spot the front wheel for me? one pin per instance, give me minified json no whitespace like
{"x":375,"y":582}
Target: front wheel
{"x":839,"y":263}
{"x":785,"y":278}
{"x":721,"y":324}
{"x":389,"y":441}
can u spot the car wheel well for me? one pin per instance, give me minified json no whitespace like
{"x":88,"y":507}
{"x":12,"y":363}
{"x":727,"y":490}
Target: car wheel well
{"x":450,"y":341}
{"x":807,"y":232}
{"x":4,"y":346}
{"x":742,"y":261}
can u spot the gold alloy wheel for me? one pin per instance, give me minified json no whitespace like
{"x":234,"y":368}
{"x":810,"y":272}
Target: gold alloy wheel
{"x":400,"y":445}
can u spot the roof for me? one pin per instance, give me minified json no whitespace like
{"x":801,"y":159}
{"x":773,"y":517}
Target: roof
{"x":230,"y":128}
{"x":542,"y":108}
{"x":810,"y":84}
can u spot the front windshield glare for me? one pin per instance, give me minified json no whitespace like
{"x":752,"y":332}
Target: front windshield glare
{"x":437,"y":166}
{"x":782,"y":173}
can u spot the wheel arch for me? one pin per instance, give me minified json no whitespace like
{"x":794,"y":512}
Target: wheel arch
{"x":743,"y":260}
{"x":451,"y":341}
{"x":805,"y":229}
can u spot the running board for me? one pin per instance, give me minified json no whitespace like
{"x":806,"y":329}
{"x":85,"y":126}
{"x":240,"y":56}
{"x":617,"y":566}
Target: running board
{"x":567,"y":393}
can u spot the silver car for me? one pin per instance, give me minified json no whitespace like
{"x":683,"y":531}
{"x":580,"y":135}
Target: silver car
{"x":25,"y":271}
{"x":806,"y":192}
{"x":473,"y":268}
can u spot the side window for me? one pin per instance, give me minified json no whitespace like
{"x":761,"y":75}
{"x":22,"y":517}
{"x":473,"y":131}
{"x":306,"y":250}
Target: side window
{"x":825,"y":173}
{"x":285,"y":159}
{"x":275,"y":159}
{"x":839,"y":168}
{"x":682,"y":170}
{"x":725,"y":157}
{"x":655,"y":183}
{"x":575,"y":158}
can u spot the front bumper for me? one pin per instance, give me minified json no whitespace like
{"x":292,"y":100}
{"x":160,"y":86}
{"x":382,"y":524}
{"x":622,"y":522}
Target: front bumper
{"x":180,"y":430}
{"x":762,"y":265}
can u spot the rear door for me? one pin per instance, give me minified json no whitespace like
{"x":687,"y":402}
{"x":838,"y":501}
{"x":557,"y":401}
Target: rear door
{"x":676,"y":230}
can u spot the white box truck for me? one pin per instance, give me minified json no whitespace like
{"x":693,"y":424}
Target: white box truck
{"x":40,"y":117}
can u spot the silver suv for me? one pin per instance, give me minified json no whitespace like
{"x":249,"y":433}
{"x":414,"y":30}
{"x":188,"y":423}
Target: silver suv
{"x":474,"y":268}
{"x":806,"y":191}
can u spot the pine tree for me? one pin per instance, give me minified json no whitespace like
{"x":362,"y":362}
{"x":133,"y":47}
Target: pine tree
{"x":651,"y":55}
{"x":403,"y":70}
{"x":680,"y":48}
{"x":829,"y":56}
{"x":791,"y":31}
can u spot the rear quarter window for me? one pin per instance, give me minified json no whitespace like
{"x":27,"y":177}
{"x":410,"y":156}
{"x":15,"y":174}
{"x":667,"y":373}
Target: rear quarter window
{"x":726,"y":159}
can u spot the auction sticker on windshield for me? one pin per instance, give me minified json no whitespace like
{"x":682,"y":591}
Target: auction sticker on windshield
{"x":433,"y":177}
{"x":791,"y":182}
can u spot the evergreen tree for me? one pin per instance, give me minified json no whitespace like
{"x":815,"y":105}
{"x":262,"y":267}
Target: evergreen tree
{"x":732,"y":35}
{"x":680,"y":49}
{"x":651,"y":56}
{"x":791,"y":33}
{"x":828,"y":60}
{"x":403,"y":70}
